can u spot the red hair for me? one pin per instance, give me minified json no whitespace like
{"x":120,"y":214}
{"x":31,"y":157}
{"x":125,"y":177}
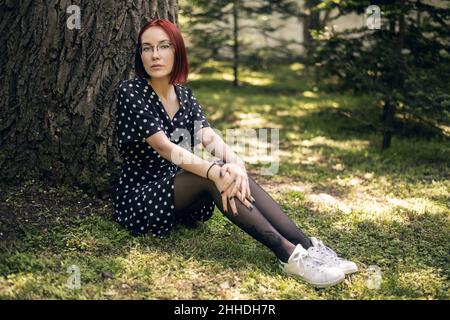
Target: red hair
{"x":180,"y":67}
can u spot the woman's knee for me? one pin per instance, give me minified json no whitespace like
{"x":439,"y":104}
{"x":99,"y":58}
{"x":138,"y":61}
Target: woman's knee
{"x":195,"y":180}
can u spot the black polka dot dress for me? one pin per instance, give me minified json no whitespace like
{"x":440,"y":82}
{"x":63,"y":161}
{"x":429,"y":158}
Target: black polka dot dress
{"x":143,"y":197}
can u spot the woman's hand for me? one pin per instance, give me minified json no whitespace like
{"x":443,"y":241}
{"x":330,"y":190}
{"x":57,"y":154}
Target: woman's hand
{"x":241,"y":183}
{"x":225,"y":184}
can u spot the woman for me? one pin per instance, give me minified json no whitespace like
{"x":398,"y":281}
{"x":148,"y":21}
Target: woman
{"x":159,"y":121}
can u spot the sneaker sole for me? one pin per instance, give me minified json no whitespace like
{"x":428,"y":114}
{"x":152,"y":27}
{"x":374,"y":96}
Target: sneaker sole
{"x":350,"y":271}
{"x":325,"y":285}
{"x":317,"y":285}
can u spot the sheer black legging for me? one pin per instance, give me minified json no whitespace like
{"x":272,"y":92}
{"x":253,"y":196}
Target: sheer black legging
{"x":266,"y":222}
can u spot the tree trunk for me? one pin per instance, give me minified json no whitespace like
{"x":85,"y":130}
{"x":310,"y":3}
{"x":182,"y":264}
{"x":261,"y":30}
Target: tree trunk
{"x":418,"y":16}
{"x":235,"y":44}
{"x":57,"y":99}
{"x":387,"y":118}
{"x":311,"y":21}
{"x":389,"y":111}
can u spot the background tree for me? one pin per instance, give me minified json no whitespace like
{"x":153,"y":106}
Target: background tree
{"x":57,"y":95}
{"x":404,"y":64}
{"x":216,"y":28}
{"x":314,"y":16}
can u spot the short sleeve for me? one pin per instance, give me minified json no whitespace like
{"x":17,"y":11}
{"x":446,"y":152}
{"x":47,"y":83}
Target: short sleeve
{"x":197,"y":116}
{"x":135,"y":120}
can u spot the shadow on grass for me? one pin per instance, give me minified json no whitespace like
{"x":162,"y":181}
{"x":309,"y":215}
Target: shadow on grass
{"x":98,"y":244}
{"x":43,"y":233}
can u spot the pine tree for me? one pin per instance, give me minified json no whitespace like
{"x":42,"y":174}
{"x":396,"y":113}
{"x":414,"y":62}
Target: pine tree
{"x":404,"y":64}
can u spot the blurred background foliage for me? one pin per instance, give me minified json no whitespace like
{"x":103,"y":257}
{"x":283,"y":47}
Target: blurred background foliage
{"x":403,"y":64}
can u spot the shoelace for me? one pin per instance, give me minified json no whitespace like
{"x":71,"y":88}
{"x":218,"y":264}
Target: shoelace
{"x":311,"y":262}
{"x":327,"y":251}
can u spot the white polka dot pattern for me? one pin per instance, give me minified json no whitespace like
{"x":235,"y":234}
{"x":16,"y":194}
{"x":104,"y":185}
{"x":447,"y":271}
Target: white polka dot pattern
{"x":143,"y":197}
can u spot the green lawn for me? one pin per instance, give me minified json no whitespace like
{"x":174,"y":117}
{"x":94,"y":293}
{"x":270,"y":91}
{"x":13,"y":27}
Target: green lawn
{"x":384,"y":209}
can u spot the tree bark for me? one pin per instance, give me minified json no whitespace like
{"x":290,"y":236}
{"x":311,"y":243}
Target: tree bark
{"x":57,"y":98}
{"x":312,"y":21}
{"x":390,"y":107}
{"x":235,"y":44}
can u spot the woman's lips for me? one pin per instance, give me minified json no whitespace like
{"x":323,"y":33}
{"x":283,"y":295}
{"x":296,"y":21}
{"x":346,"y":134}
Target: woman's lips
{"x":157,"y":67}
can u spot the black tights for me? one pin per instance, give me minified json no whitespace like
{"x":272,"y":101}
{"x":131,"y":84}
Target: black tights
{"x":266,"y":222}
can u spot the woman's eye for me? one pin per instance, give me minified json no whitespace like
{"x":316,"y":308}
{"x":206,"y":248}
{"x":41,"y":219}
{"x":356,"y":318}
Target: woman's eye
{"x":146,"y":49}
{"x":165,"y":46}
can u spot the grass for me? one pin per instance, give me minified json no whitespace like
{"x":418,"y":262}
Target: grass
{"x":387,"y":210}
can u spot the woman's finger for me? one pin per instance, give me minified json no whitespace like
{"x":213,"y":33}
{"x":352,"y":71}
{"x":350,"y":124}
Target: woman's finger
{"x":226,"y":168}
{"x":223,"y":170}
{"x":247,"y":204}
{"x":228,"y":187}
{"x":235,"y":188}
{"x":243,"y":188}
{"x":224,"y":202}
{"x":249,"y":192}
{"x":227,"y":181}
{"x":233,"y":206}
{"x":241,"y":191}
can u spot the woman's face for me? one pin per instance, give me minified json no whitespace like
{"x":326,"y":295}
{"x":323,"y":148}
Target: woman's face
{"x":156,"y":49}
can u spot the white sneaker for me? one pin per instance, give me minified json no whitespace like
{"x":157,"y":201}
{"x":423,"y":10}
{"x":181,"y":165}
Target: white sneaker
{"x":311,"y":270}
{"x":323,"y":253}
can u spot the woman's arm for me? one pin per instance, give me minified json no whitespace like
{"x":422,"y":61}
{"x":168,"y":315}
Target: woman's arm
{"x":193,"y":163}
{"x":215,"y":145}
{"x":235,"y":166}
{"x":179,"y":155}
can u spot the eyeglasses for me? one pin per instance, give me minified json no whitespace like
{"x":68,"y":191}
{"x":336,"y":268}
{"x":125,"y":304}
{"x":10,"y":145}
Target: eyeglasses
{"x":162,"y":48}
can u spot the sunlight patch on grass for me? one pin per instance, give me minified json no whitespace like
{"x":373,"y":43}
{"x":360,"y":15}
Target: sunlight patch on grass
{"x":369,"y":196}
{"x":216,"y":96}
{"x":323,"y":201}
{"x":254,"y":146}
{"x":421,"y":282}
{"x":291,"y":113}
{"x":303,"y":157}
{"x":32,"y":286}
{"x":349,"y":145}
{"x":13,"y":284}
{"x":251,"y":120}
{"x":225,"y":76}
{"x":310,"y":151}
{"x":317,"y":104}
{"x":417,"y":205}
{"x":256,"y":78}
{"x":297,"y":66}
{"x":360,"y":198}
{"x":388,"y":209}
{"x":194,"y":76}
{"x":308,"y":105}
{"x":310,"y":94}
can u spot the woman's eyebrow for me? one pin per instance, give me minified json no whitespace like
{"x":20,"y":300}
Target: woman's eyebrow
{"x":158,"y":42}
